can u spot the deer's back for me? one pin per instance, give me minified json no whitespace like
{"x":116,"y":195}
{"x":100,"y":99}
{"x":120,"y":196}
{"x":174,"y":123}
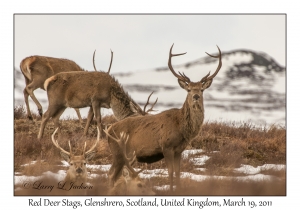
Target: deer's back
{"x":79,"y":89}
{"x":63,"y":65}
{"x":149,"y":134}
{"x":39,"y":68}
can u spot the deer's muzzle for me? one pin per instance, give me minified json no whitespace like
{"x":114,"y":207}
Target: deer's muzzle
{"x":196,"y":97}
{"x":79,"y":170}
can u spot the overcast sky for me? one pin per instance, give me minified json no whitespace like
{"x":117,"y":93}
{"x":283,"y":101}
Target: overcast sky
{"x":142,"y":42}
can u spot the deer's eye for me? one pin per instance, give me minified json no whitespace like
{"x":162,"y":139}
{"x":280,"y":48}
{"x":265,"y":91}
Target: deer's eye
{"x":71,"y":164}
{"x":84,"y":163}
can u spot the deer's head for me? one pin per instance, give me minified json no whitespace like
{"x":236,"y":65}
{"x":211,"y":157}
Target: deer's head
{"x":128,"y":182}
{"x":77,"y":170}
{"x":194,"y":89}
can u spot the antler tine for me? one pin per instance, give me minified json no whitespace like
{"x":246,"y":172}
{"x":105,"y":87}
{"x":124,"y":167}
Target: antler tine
{"x":70,"y":148}
{"x":84,"y":147}
{"x":93,"y":147}
{"x":205,"y":77}
{"x":183,"y":75}
{"x":94,"y":61}
{"x":133,"y":159}
{"x":147,"y":103}
{"x":186,"y":79}
{"x":122,"y":142}
{"x":151,"y":108}
{"x":107,"y":133}
{"x":111,"y":59}
{"x":57,"y":145}
{"x":220,"y":63}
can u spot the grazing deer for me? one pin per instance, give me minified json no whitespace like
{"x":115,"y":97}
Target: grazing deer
{"x":77,"y":172}
{"x":87,"y":89}
{"x":164,"y":135}
{"x":36,"y":69}
{"x":128,"y":181}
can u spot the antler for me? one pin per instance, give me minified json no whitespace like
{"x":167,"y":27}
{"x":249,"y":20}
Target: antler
{"x":93,"y":147}
{"x":59,"y":147}
{"x":218,"y":68}
{"x":94,"y":60}
{"x":111,"y":59}
{"x":147,"y":103}
{"x":180,"y":76}
{"x":122,"y":142}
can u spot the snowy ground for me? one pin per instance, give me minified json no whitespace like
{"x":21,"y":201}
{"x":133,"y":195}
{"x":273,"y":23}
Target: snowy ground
{"x":198,"y":159}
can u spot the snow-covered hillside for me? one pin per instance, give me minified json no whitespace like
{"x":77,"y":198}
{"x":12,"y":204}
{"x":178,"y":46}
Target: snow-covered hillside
{"x":250,"y":86}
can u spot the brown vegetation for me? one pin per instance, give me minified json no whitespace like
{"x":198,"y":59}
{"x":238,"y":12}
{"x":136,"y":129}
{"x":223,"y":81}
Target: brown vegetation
{"x":228,"y":144}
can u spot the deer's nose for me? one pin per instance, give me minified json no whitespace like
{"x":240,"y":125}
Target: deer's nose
{"x":79,"y":170}
{"x":196,"y":97}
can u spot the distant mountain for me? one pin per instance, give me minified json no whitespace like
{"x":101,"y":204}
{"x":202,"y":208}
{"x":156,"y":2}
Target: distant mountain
{"x":251,"y":86}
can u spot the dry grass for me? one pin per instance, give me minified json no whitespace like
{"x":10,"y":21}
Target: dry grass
{"x":228,"y":145}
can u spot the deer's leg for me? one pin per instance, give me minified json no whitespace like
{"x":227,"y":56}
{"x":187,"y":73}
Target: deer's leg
{"x":169,"y":159}
{"x":88,"y":121}
{"x":46,"y":116}
{"x":30,"y":88}
{"x":177,"y":159}
{"x":96,"y":110}
{"x":56,"y":117}
{"x":78,"y":114}
{"x":45,"y":119}
{"x":26,"y":95}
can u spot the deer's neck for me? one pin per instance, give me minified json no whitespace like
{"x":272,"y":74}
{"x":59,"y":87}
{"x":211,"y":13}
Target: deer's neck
{"x":192,"y":120}
{"x":120,"y":104}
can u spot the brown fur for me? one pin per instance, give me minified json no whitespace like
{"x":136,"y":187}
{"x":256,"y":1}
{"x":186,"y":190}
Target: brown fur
{"x":36,"y":69}
{"x":166,"y":134}
{"x":77,"y":172}
{"x":127,"y":184}
{"x":127,"y":179}
{"x":87,"y":89}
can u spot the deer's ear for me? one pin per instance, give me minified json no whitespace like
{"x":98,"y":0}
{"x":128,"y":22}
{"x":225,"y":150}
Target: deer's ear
{"x":206,"y":84}
{"x":90,"y":155}
{"x":183,"y":84}
{"x":65,"y":156}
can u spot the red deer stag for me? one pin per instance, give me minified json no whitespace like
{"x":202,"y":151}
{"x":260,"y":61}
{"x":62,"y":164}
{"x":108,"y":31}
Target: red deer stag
{"x":164,"y":135}
{"x":127,"y":179}
{"x":77,"y":172}
{"x":87,"y":89}
{"x":36,"y":69}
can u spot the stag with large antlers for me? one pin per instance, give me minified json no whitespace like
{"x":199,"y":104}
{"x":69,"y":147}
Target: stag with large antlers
{"x":88,"y":89}
{"x":127,"y":181}
{"x":77,"y":171}
{"x":164,"y":135}
{"x":36,"y":69}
